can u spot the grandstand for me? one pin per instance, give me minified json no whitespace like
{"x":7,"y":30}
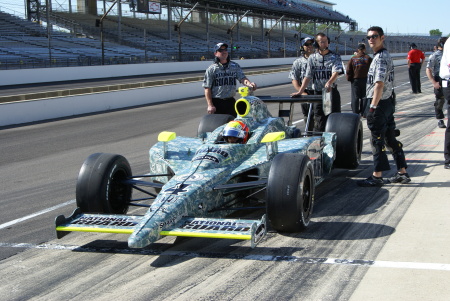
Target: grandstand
{"x":269,"y":29}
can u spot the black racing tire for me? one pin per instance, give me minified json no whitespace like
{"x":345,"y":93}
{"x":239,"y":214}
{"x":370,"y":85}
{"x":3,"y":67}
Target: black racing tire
{"x":99,"y":185}
{"x":210,"y":122}
{"x":349,"y":138}
{"x":290,"y":192}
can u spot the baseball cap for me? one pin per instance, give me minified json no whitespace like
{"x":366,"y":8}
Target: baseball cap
{"x":306,"y":40}
{"x":217,"y":47}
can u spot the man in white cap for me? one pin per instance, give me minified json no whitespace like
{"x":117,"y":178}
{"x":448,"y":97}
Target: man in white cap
{"x":220,"y":82}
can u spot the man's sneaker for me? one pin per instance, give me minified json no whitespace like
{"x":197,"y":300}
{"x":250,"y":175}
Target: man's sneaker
{"x":441,"y":124}
{"x":447,"y":165}
{"x":401,"y":178}
{"x":371,"y":182}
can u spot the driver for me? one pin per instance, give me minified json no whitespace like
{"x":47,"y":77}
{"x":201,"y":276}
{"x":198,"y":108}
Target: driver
{"x":235,"y":132}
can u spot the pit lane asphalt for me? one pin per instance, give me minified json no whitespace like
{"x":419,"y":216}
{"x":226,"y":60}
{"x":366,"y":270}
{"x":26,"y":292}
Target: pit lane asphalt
{"x":386,"y":243}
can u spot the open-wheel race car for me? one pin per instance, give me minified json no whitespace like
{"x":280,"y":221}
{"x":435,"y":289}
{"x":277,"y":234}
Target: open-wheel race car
{"x":199,"y":181}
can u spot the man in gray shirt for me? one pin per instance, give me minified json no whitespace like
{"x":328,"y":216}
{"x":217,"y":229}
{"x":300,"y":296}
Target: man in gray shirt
{"x":323,"y":70}
{"x":220,"y":82}
{"x":433,"y":65}
{"x":380,"y":118}
{"x":297,"y":74}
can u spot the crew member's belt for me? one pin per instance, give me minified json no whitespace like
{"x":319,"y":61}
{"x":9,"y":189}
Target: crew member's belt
{"x":226,"y":99}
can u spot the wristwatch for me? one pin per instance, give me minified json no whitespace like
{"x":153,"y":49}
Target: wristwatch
{"x":373,"y":106}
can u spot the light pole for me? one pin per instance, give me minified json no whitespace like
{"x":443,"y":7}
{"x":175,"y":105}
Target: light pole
{"x":99,"y":22}
{"x":337,"y":38}
{"x":230,"y":32}
{"x":178,"y":28}
{"x":268,"y":35}
{"x":49,"y":29}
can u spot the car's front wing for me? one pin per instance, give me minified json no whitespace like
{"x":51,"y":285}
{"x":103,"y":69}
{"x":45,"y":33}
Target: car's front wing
{"x":253,"y":230}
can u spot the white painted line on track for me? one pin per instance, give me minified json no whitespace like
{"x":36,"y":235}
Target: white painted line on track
{"x":236,"y":256}
{"x":16,"y":221}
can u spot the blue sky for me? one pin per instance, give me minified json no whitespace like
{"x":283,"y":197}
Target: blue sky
{"x":396,"y":16}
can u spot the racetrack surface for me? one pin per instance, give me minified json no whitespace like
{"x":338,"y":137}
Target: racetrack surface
{"x":350,"y":226}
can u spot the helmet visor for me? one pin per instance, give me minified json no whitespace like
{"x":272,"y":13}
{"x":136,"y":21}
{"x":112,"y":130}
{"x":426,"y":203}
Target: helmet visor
{"x":231,"y":132}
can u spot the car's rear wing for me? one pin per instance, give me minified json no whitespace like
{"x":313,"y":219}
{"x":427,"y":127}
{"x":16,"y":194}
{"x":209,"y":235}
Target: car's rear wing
{"x":325,"y":99}
{"x":253,"y":230}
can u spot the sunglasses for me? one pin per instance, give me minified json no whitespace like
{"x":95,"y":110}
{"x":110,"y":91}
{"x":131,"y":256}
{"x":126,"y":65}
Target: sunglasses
{"x":307,"y":44}
{"x":222,"y":49}
{"x":372,"y":37}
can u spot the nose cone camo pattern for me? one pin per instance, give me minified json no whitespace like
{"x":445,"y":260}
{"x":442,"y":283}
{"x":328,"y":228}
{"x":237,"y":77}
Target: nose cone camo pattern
{"x":198,"y":166}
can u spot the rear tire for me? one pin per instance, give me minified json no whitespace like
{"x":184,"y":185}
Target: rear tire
{"x":210,"y":122}
{"x":349,"y":138}
{"x":290,"y":192}
{"x":99,"y":185}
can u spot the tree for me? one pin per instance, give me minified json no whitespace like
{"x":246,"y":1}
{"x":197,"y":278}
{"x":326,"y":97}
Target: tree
{"x":435,"y":32}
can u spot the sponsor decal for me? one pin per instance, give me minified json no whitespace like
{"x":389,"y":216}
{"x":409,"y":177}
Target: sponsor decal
{"x":259,"y":233}
{"x":206,"y":157}
{"x":216,"y":226}
{"x":177,"y":189}
{"x":216,"y":150}
{"x":191,"y":178}
{"x":318,"y":167}
{"x":196,"y":177}
{"x":108,"y":183}
{"x":322,"y":72}
{"x":169,"y":198}
{"x":167,"y":222}
{"x":105,"y":221}
{"x":226,"y":78}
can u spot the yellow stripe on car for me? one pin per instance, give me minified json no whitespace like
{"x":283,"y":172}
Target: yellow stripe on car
{"x":206,"y":235}
{"x":99,"y":230}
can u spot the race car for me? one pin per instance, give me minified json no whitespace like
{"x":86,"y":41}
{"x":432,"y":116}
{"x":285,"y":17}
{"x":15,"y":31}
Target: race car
{"x":201,"y":180}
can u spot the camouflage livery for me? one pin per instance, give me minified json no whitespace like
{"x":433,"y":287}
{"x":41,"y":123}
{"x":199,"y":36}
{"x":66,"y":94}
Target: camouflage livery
{"x":197,"y":175}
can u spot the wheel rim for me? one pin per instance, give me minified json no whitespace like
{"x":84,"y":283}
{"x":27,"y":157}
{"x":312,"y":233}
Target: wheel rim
{"x":306,"y":196}
{"x":359,"y":146}
{"x":119,"y":193}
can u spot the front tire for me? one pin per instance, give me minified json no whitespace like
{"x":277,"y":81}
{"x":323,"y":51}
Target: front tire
{"x":99,"y":186}
{"x":290,"y":192}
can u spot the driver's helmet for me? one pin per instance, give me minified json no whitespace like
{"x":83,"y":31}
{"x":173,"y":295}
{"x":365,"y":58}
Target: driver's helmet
{"x":236,"y":129}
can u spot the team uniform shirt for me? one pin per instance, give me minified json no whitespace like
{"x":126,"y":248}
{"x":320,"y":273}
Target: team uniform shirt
{"x":298,"y":71}
{"x":434,"y":62}
{"x":444,"y":71}
{"x":415,"y":55}
{"x":381,"y":70}
{"x":222,"y":79}
{"x":321,"y":67}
